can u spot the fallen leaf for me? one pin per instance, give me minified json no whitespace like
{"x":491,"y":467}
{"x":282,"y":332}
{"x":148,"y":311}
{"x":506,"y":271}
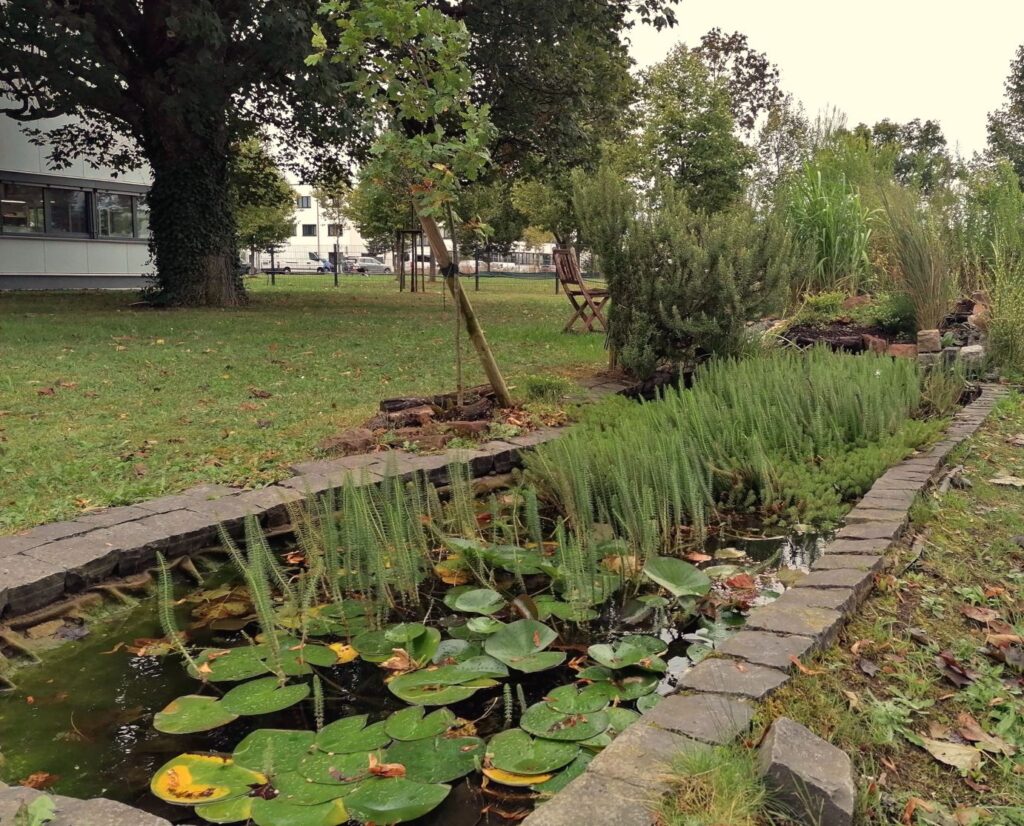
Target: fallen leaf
{"x":979,"y":614}
{"x":378,"y":769}
{"x":964,"y":758}
{"x":742,"y":582}
{"x":868,"y":667}
{"x":972,"y":732}
{"x":39,"y":780}
{"x":1016,"y":441}
{"x":858,"y":646}
{"x":937,"y":731}
{"x":345,"y":653}
{"x":994,"y":591}
{"x":400,"y":661}
{"x":1006,"y":481}
{"x":45,"y":391}
{"x":912,"y":806}
{"x":729,"y":553}
{"x":256,"y":393}
{"x":693,"y":556}
{"x":954,"y":671}
{"x":803,"y":669}
{"x":852,"y":699}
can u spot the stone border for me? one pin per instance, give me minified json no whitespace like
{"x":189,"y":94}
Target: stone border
{"x":622,"y":782}
{"x":51,"y":562}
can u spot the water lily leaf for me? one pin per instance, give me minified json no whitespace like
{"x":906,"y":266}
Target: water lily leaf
{"x":374,"y":646}
{"x":193,"y":713}
{"x":438,"y":759}
{"x":448,"y":683}
{"x":549,"y":606}
{"x":565,"y":776}
{"x":395,"y":800}
{"x":624,"y":655}
{"x":337,"y":769}
{"x":541,"y":720}
{"x":512,"y":559}
{"x":232,"y":810}
{"x":297,"y":658}
{"x":350,"y":735}
{"x":679,"y":578}
{"x":567,"y":699}
{"x":292,"y":787}
{"x":269,"y":748}
{"x":516,"y":751}
{"x":475,"y":601}
{"x":404,"y":633}
{"x":263,"y":696}
{"x":593,"y":592}
{"x":202,"y":778}
{"x":226,"y":665}
{"x":411,"y":724}
{"x":344,"y":653}
{"x":278,"y":812}
{"x":619,"y":719}
{"x":594,"y":744}
{"x":455,"y":651}
{"x":721,"y":571}
{"x":485,"y":626}
{"x":647,"y":702}
{"x":516,"y":780}
{"x":626,"y":684}
{"x":520,"y":645}
{"x":729,"y":553}
{"x":655,"y":646}
{"x":423,"y":647}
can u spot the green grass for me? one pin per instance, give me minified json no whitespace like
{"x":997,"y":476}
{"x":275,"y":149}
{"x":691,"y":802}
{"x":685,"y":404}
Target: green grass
{"x":147,"y":402}
{"x":881,"y":688}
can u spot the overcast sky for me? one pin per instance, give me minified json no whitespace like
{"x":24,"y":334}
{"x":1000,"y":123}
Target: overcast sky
{"x":902,"y":59}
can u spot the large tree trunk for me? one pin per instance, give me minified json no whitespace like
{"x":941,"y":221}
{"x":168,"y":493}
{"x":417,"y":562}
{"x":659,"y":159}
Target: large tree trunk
{"x":191,"y":221}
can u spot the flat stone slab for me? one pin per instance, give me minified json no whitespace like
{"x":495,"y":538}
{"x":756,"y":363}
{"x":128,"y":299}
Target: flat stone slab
{"x":860,"y":582}
{"x":642,"y":756}
{"x":29,"y":583}
{"x":596,"y":799}
{"x":787,"y":617}
{"x":843,"y":600}
{"x":891,"y":500}
{"x":860,"y":514}
{"x":86,"y":559}
{"x":859,"y":562}
{"x":112,"y":516}
{"x":890,"y":529}
{"x":10,"y":545}
{"x":763,"y":648}
{"x":726,"y":676}
{"x":71,"y":812}
{"x":870,"y":547}
{"x":180,"y":501}
{"x":812,"y":778}
{"x":709,"y":718}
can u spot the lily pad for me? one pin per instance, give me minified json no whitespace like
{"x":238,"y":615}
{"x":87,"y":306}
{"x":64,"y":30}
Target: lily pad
{"x":438,"y":759}
{"x":565,"y":776}
{"x":339,"y":769}
{"x":484,"y":625}
{"x":374,"y":646}
{"x":475,"y":601}
{"x":679,"y":578}
{"x":192,"y":778}
{"x":385,"y":801}
{"x":278,"y":812}
{"x":516,"y":751}
{"x":292,"y":787}
{"x":541,"y":720}
{"x":624,"y":655}
{"x":229,"y":665}
{"x":273,"y":749}
{"x":193,"y":713}
{"x":455,"y":651}
{"x":520,"y":645}
{"x":263,"y":696}
{"x":647,"y":702}
{"x":400,"y":635}
{"x":414,"y":724}
{"x":350,"y":735}
{"x":513,"y":559}
{"x":232,"y":810}
{"x":549,"y":606}
{"x":655,"y":646}
{"x":423,"y":647}
{"x":298,"y":657}
{"x":567,"y":699}
{"x":627,"y":684}
{"x":620,"y":719}
{"x":438,"y":686}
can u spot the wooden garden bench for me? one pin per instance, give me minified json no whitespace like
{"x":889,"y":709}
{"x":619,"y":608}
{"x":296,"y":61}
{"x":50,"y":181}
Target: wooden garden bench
{"x":587,"y":301}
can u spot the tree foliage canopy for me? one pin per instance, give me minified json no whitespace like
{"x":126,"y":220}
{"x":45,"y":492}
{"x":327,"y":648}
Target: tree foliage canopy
{"x":1006,"y":125}
{"x":262,"y":199}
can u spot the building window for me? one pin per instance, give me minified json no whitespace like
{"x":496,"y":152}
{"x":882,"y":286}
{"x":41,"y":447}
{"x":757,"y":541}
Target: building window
{"x":114,"y":215}
{"x":67,"y":211}
{"x":336,"y":230}
{"x":305,"y":202}
{"x":22,"y":208}
{"x":141,"y":217}
{"x":309,"y":230}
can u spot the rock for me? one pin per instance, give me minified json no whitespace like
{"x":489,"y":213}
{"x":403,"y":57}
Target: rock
{"x":413,"y":416}
{"x":929,"y":341}
{"x":950,"y":355}
{"x":72,"y":812}
{"x":356,"y":440}
{"x":972,"y":357}
{"x":813,"y":779}
{"x":905,"y":351}
{"x":874,"y":344}
{"x":929,"y":361}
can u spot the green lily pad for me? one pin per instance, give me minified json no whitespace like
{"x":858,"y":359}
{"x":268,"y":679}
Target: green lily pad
{"x":456,"y":651}
{"x":263,"y":696}
{"x":338,"y":769}
{"x":626,"y":654}
{"x":423,"y":647}
{"x":485,"y":625}
{"x":297,"y":658}
{"x":411,"y":724}
{"x":627,"y":684}
{"x":567,"y":699}
{"x":520,"y":645}
{"x":517,"y":752}
{"x":441,"y":686}
{"x":438,"y":759}
{"x":595,"y":592}
{"x":595,"y":744}
{"x":193,"y":713}
{"x":655,"y":646}
{"x":474,"y":601}
{"x":209,"y":778}
{"x":374,"y":646}
{"x":620,"y":719}
{"x":229,"y":665}
{"x":385,"y":801}
{"x":721,"y":571}
{"x":350,"y":735}
{"x":233,"y":810}
{"x":292,"y":787}
{"x":565,"y":776}
{"x":278,"y":812}
{"x":549,"y":606}
{"x":268,"y":750}
{"x":400,"y":635}
{"x":541,"y":720}
{"x":513,"y":559}
{"x":647,"y":702}
{"x":679,"y":578}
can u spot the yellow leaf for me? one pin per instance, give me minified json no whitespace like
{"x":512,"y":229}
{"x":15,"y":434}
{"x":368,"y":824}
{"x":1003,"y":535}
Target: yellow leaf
{"x":510,"y":779}
{"x":345,"y":653}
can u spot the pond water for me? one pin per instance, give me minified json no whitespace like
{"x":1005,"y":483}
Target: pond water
{"x":84,"y":715}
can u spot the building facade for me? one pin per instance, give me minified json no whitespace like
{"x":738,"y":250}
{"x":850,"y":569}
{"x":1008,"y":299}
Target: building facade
{"x":74,"y":228}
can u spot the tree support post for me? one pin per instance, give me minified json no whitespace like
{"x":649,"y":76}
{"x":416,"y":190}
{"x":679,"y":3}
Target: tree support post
{"x":476,"y":333}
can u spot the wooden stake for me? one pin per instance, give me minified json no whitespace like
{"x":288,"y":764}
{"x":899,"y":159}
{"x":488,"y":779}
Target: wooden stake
{"x":476,"y":333}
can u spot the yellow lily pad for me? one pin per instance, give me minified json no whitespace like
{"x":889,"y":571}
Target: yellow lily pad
{"x":191,"y":779}
{"x":345,"y":653}
{"x":510,"y":779}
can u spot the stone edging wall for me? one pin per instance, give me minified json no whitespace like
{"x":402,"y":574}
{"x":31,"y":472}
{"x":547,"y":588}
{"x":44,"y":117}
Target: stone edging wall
{"x":621,"y":783}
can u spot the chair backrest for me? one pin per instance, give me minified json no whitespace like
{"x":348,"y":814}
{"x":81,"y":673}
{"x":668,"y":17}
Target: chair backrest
{"x":567,"y":267}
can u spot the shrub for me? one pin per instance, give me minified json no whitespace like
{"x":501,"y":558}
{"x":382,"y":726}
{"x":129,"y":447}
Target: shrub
{"x":1005,"y":287}
{"x":548,"y":389}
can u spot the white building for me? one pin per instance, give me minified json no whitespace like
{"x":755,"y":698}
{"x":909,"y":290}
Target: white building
{"x":72,"y":228}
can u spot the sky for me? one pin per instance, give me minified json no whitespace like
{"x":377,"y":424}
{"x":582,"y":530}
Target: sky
{"x":945,"y":60}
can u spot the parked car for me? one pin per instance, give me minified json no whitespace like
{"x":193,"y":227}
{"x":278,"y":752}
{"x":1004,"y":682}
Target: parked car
{"x":367,"y":264}
{"x":288,"y":262}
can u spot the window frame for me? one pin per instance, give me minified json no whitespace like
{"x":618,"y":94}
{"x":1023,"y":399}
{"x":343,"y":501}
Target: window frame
{"x":304,"y":227}
{"x":48,"y":213}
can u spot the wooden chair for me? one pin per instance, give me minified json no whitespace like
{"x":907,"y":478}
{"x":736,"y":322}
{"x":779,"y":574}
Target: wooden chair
{"x":587,"y":302}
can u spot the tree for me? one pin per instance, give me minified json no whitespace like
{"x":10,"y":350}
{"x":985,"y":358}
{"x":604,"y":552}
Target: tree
{"x":488,"y":218}
{"x":783,"y":144}
{"x":687,"y":131}
{"x":921,"y":155}
{"x":173,"y":86}
{"x":332,"y":193}
{"x":262,"y":200}
{"x":752,"y":80}
{"x":1006,"y":125}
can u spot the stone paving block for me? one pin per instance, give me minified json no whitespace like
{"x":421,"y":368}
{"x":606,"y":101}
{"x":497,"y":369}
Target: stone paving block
{"x":309,"y":485}
{"x":888,"y":500}
{"x":890,"y":529}
{"x":108,"y":517}
{"x":86,"y":559}
{"x":56,"y":530}
{"x":271,"y":503}
{"x":179,"y":501}
{"x":30,"y":583}
{"x":857,"y":546}
{"x":481,"y":462}
{"x":789,"y":617}
{"x":843,"y":600}
{"x":708,"y":718}
{"x":174,"y":534}
{"x":642,"y":756}
{"x":324,"y":467}
{"x":861,"y":582}
{"x":814,"y":779}
{"x":136,"y":544}
{"x":536,"y":437}
{"x":763,"y":648}
{"x":722,"y":676}
{"x":860,"y":562}
{"x":10,"y":545}
{"x":859,"y":514}
{"x":596,"y":800}
{"x":505,"y":455}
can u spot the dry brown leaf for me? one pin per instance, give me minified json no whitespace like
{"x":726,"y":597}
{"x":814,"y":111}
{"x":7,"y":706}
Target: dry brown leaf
{"x":979,"y":614}
{"x":912,"y":806}
{"x":378,"y":769}
{"x":858,"y":646}
{"x":39,"y":780}
{"x":971,"y":730}
{"x":1007,"y":481}
{"x":964,"y":758}
{"x":803,"y":669}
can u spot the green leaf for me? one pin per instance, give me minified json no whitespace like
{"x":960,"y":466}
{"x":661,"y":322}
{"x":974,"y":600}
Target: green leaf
{"x":647,"y":702}
{"x":292,"y":787}
{"x":227,"y":665}
{"x":350,"y":735}
{"x":189,"y":778}
{"x":566,"y":776}
{"x":567,"y":699}
{"x":374,"y":646}
{"x":475,"y":601}
{"x":193,"y":713}
{"x":336,"y":769}
{"x":549,"y":606}
{"x":456,"y":651}
{"x":620,"y":719}
{"x":263,"y":696}
{"x":278,"y":812}
{"x":401,"y":635}
{"x":438,"y":759}
{"x":541,"y":720}
{"x":679,"y":578}
{"x":624,"y":655}
{"x":520,"y":645}
{"x":232,"y":810}
{"x":385,"y":801}
{"x":484,"y":625}
{"x":517,"y":752}
{"x":273,"y":749}
{"x":411,"y":724}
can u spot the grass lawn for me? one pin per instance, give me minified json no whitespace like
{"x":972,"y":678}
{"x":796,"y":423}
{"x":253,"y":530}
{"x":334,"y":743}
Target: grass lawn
{"x":101,"y":404}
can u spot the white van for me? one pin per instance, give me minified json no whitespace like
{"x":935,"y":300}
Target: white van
{"x":287,"y":262}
